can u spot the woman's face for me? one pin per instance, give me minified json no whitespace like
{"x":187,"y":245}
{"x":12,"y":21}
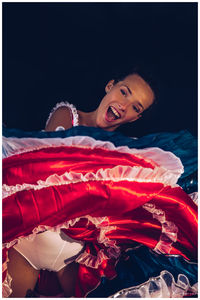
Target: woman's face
{"x":124,"y":102}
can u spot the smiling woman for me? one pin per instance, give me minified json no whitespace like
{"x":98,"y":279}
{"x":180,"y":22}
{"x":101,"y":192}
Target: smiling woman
{"x":75,"y":200}
{"x":87,"y":211}
{"x":124,"y":102}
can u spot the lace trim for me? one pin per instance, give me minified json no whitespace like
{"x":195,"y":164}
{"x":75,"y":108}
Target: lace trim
{"x":101,"y":223}
{"x":13,"y":146}
{"x":194,"y":197}
{"x":162,"y":286}
{"x":118,"y":173}
{"x":113,"y":250}
{"x":90,"y":260}
{"x":6,"y":286}
{"x":72,"y":109}
{"x":169,"y":229}
{"x":85,"y":258}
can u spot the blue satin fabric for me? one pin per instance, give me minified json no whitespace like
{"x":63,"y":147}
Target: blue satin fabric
{"x":181,"y":143}
{"x":140,"y":266}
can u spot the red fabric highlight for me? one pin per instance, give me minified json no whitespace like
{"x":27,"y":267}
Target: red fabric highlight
{"x":39,"y":164}
{"x":122,"y":202}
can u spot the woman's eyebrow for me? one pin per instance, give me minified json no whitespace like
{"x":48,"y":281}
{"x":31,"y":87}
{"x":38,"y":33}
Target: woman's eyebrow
{"x":140,"y":104}
{"x":128,"y":88}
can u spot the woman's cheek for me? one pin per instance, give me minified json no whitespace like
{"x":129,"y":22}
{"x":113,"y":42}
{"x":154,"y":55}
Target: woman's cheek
{"x":132,"y":117}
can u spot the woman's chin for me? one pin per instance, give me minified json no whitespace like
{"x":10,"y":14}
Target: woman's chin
{"x":109,"y":128}
{"x":107,"y":125}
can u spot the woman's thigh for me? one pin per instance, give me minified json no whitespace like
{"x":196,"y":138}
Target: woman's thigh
{"x":67,"y":278}
{"x":24,"y":276}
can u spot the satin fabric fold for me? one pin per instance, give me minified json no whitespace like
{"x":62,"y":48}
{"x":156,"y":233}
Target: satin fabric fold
{"x":39,"y":164}
{"x":154,"y":214}
{"x":140,"y":266}
{"x":182,"y":143}
{"x":124,"y":199}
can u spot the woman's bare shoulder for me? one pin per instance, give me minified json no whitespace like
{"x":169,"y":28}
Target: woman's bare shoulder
{"x":60,"y":117}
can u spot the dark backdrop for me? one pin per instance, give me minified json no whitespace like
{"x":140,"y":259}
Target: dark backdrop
{"x":68,"y":51}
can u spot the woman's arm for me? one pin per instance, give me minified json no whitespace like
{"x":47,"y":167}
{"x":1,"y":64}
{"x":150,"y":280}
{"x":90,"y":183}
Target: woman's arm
{"x":60,"y":117}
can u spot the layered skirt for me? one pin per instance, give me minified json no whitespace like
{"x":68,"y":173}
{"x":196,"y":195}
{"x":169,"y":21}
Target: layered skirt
{"x":132,"y":202}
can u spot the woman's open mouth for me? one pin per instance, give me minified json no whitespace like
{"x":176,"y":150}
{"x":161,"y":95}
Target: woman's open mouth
{"x":112,"y":114}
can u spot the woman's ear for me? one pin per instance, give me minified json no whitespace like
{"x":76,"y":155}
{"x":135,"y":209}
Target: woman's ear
{"x":109,"y":85}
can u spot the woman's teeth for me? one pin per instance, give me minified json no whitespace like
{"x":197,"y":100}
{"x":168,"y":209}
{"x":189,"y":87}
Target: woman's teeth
{"x":112,"y":114}
{"x":115,"y":112}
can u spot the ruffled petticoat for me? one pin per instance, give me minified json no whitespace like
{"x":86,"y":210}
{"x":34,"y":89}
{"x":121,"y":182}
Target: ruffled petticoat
{"x":116,"y":198}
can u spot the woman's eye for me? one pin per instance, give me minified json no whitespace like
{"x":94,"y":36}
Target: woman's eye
{"x":123,"y":92}
{"x":136,"y":109}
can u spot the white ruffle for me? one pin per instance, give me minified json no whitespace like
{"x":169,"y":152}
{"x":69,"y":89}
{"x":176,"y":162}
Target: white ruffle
{"x":101,"y":223}
{"x":72,"y":108}
{"x":113,"y":250}
{"x":85,"y":258}
{"x":194,"y":197}
{"x":162,"y":286}
{"x":6,"y":286}
{"x":118,"y":173}
{"x":91,"y":260}
{"x":168,"y":160}
{"x":169,"y":229}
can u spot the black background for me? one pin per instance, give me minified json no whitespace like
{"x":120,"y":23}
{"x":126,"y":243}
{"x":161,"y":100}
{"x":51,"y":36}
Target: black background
{"x":68,"y":51}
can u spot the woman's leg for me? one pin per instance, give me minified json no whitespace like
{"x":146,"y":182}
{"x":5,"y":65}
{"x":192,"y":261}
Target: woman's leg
{"x":67,"y":278}
{"x":24,"y":276}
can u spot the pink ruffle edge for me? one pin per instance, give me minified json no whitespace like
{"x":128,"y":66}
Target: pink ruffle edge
{"x":168,"y":228}
{"x":167,"y":171}
{"x":118,"y":173}
{"x":166,"y":159}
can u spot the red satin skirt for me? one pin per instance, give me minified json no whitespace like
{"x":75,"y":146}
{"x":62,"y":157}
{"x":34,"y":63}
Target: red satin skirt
{"x":109,"y":199}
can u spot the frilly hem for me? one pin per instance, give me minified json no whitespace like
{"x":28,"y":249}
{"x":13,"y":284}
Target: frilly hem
{"x":101,"y":223}
{"x":194,"y":197}
{"x":84,"y":258}
{"x":162,"y":286}
{"x":72,"y":109}
{"x":6,"y":286}
{"x":168,"y":160}
{"x":91,"y":260}
{"x":169,"y":229}
{"x":118,"y":173}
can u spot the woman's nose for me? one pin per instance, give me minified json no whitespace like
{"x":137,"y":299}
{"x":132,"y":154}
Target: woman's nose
{"x":122,"y":106}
